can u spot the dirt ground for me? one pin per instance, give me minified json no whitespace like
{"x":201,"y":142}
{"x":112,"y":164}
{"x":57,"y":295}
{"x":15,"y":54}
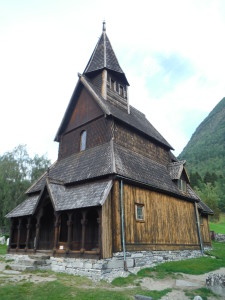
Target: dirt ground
{"x":183,"y":282}
{"x":178,"y":285}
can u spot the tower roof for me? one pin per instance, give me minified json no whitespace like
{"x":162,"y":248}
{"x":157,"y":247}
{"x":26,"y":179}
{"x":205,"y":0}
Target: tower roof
{"x":103,"y":57}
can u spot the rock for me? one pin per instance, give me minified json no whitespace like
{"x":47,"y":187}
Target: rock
{"x":141,"y":297}
{"x":2,"y":240}
{"x":216,"y":282}
{"x":197,"y":298}
{"x":181,"y":283}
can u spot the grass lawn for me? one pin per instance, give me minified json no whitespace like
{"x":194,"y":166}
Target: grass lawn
{"x":218,"y":227}
{"x":3,"y":249}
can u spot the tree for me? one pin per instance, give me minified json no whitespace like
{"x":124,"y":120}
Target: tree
{"x":208,"y":194}
{"x":17,"y":171}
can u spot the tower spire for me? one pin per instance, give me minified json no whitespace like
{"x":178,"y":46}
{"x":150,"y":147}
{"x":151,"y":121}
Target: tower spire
{"x":103,"y":26}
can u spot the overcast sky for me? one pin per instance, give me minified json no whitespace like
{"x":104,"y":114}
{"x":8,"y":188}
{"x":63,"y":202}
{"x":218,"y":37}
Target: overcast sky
{"x":173,"y":54}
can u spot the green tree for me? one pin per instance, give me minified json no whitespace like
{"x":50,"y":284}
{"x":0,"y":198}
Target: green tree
{"x":17,"y":171}
{"x":209,"y":196}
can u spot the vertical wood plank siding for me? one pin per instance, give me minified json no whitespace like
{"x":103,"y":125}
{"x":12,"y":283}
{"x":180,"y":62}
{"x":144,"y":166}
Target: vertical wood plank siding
{"x":85,"y":110}
{"x":107,"y":228}
{"x":169,"y":223}
{"x":140,"y":144}
{"x":205,"y":232}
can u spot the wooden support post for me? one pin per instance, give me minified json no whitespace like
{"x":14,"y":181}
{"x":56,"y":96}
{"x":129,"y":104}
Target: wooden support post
{"x":10,"y":235}
{"x":36,"y":239}
{"x":18,"y":234}
{"x":69,"y":231}
{"x":56,"y":234}
{"x":37,"y":235}
{"x":99,"y":231}
{"x":28,"y":234}
{"x":84,"y":223}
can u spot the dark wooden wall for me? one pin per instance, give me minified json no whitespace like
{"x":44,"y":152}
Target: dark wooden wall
{"x":98,"y":132}
{"x":87,"y":116}
{"x":169,"y":223}
{"x":85,"y":110}
{"x":138,"y":143}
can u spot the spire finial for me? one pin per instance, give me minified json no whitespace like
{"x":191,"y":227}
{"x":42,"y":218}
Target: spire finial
{"x":103,"y":26}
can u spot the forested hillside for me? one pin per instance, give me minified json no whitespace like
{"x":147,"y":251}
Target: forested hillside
{"x":205,"y":156}
{"x":17,"y":172}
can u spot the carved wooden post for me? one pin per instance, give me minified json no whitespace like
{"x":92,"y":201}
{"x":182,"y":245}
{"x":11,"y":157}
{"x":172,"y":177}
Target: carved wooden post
{"x":56,"y":234}
{"x":37,"y":235}
{"x":18,"y":234}
{"x":10,"y":235}
{"x":69,"y":231}
{"x":99,"y":230}
{"x":84,"y":223}
{"x":36,"y":239}
{"x":28,"y":234}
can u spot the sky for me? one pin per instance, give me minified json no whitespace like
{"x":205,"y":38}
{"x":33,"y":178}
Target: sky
{"x":172,"y":52}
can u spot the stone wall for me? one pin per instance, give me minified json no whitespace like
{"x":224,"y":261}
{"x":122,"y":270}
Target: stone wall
{"x":110,"y":268}
{"x":219,"y":237}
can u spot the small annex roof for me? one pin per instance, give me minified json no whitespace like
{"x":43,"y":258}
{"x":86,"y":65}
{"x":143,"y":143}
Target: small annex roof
{"x":79,"y":196}
{"x":66,"y":198}
{"x":103,"y":57}
{"x":176,"y":169}
{"x":25,"y":208}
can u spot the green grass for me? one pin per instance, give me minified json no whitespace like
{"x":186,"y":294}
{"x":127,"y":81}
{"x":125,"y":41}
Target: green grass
{"x":3,"y":249}
{"x":203,"y":292}
{"x":194,"y":266}
{"x":72,"y":287}
{"x":218,"y":227}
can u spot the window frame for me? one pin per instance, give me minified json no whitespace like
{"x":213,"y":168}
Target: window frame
{"x":83,"y":140}
{"x":142,"y":206}
{"x":182,"y":185}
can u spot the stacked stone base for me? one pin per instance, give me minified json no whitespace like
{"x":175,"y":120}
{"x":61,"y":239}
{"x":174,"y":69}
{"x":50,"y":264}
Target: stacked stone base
{"x":109,"y":268}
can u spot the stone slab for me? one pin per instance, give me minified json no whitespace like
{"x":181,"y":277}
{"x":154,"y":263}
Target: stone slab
{"x":11,"y":272}
{"x":184,"y":283}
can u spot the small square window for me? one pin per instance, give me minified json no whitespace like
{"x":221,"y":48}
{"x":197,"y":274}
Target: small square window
{"x":139,"y":212}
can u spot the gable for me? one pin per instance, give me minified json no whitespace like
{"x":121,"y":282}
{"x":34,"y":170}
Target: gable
{"x":84,"y":111}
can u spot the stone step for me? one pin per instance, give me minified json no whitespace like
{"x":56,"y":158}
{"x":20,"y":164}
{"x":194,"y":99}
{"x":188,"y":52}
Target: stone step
{"x":39,"y":257}
{"x":19,"y":267}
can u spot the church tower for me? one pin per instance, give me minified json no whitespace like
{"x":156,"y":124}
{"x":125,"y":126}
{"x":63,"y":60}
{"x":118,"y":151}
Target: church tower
{"x":104,"y":71}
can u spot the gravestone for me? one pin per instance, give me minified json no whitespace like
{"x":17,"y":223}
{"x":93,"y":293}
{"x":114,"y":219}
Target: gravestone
{"x":2,"y":240}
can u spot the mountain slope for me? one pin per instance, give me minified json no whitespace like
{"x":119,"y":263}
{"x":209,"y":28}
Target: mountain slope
{"x":205,"y":152}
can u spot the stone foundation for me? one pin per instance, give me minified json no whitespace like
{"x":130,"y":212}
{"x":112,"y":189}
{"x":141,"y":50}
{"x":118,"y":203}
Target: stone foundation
{"x":106,"y":269}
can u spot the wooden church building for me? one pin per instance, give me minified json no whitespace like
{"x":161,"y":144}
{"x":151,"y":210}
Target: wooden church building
{"x":116,"y":186}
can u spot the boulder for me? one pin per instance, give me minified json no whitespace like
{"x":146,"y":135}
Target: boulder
{"x":2,"y":240}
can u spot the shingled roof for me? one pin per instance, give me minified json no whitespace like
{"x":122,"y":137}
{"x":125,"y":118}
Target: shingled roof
{"x":103,"y":57}
{"x":66,"y":198}
{"x":114,"y":160}
{"x":176,"y":169}
{"x":201,"y":205}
